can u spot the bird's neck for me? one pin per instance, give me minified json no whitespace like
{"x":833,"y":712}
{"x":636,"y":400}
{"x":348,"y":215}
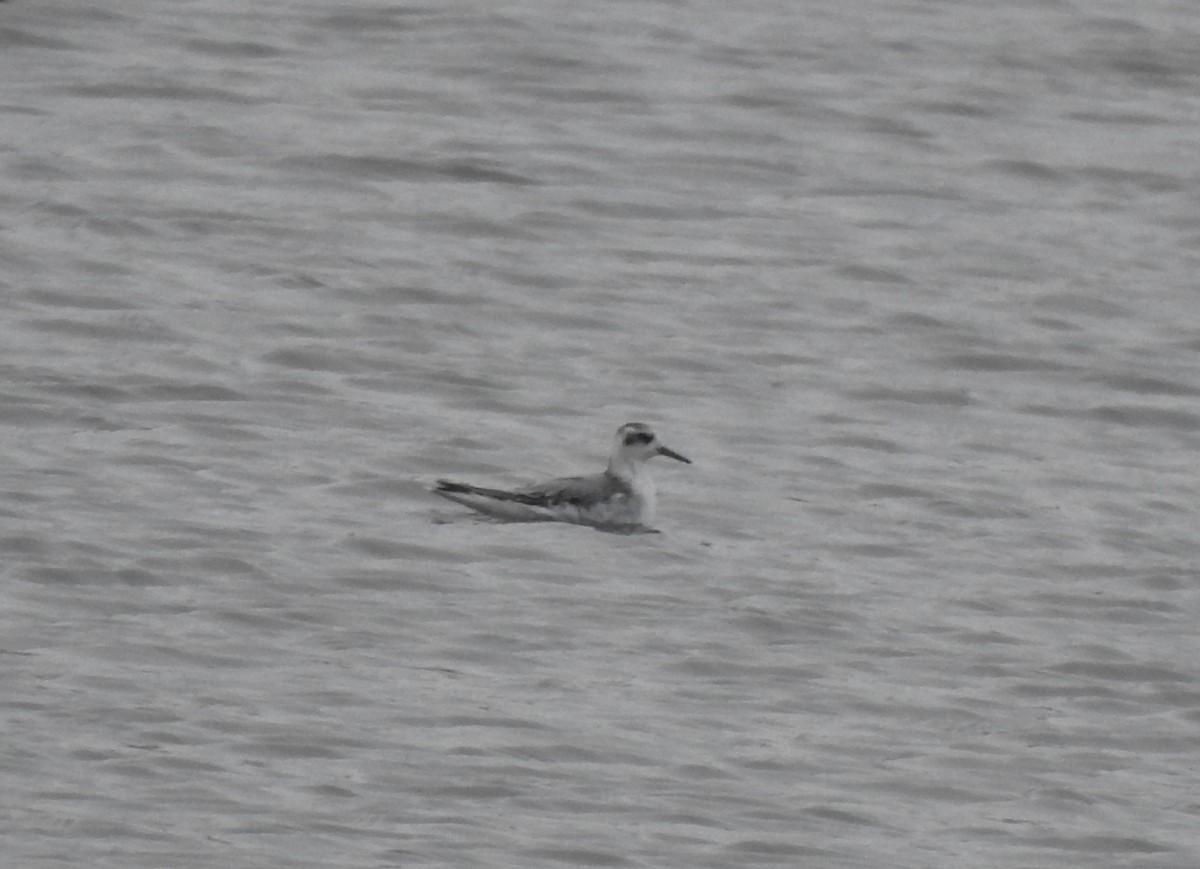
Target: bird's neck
{"x":625,"y":470}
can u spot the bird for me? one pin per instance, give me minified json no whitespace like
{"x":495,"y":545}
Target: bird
{"x":623,"y":497}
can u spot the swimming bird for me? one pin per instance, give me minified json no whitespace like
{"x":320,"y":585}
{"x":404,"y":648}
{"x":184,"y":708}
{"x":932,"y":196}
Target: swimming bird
{"x":622,"y":497}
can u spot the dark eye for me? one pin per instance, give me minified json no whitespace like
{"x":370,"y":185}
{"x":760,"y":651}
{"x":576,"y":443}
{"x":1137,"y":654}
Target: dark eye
{"x":640,"y":437}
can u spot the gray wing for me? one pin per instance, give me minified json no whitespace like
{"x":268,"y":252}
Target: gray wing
{"x":583,"y":492}
{"x":449,"y":487}
{"x":580,"y":491}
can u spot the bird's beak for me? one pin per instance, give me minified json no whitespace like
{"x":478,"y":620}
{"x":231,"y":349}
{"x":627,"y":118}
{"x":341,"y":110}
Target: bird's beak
{"x":671,"y":454}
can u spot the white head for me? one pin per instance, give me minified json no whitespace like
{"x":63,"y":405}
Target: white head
{"x":634,"y":443}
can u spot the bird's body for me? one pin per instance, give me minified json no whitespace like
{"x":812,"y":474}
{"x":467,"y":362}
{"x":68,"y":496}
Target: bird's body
{"x":623,"y":496}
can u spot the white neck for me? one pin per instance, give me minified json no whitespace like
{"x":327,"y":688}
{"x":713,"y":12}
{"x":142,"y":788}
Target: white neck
{"x":643,"y":494}
{"x":623,"y":469}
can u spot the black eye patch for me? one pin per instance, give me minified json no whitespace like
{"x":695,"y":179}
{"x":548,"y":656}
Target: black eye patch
{"x":638,"y":437}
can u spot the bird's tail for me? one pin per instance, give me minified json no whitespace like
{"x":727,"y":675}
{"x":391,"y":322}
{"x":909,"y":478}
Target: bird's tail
{"x":449,"y":488}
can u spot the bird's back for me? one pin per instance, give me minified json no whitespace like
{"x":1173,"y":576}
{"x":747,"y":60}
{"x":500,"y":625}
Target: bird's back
{"x":598,"y":499}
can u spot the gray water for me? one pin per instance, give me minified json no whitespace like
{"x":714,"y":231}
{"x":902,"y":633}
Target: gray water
{"x":913,"y":284}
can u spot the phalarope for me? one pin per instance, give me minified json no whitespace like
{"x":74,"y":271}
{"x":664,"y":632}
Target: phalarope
{"x":622,"y":496}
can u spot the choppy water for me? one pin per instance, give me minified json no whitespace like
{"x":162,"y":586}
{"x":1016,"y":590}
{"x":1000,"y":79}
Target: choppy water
{"x":914,"y":285}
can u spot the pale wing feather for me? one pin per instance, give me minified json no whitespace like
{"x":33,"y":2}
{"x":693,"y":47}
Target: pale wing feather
{"x":583,"y":492}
